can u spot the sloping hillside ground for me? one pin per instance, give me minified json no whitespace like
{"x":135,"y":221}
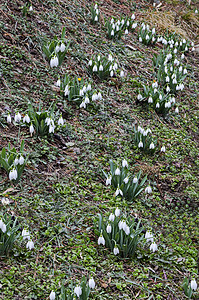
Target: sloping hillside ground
{"x":62,"y":188}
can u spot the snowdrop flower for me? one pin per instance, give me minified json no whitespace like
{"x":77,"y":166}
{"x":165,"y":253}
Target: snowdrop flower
{"x":95,"y":68}
{"x":153,"y":247}
{"x":157,"y":105}
{"x":62,"y":47}
{"x":148,"y":189}
{"x":30,"y":245}
{"x":193,"y":284}
{"x":21,"y":160}
{"x":163,"y":149}
{"x":98,"y":58}
{"x":110,"y":58}
{"x":51,"y":128}
{"x":124,"y":163}
{"x":101,"y":240}
{"x":117,"y":171}
{"x":118,"y":191}
{"x":8,"y":118}
{"x":153,"y":31}
{"x":149,"y":236}
{"x":121,"y":224}
{"x":101,"y":68}
{"x":126,"y":180}
{"x":117,"y":212}
{"x":25,"y":234}
{"x":17,"y":117}
{"x":117,"y":28}
{"x":66,"y":90}
{"x":113,"y":26}
{"x":13,"y":174}
{"x":97,"y":11}
{"x":30,"y":8}
{"x":3,"y":226}
{"x":60,"y":121}
{"x":5,"y":201}
{"x":140,"y":39}
{"x":133,"y":17}
{"x":83,"y":104}
{"x":115,"y":66}
{"x":58,"y":83}
{"x":54,"y":62}
{"x":31,"y":129}
{"x":167,"y":79}
{"x":140,"y":145}
{"x":196,"y":11}
{"x":91,"y":283}
{"x":112,"y":33}
{"x":84,"y":89}
{"x":150,"y":100}
{"x":122,"y":22}
{"x":151,"y":146}
{"x":94,"y":97}
{"x":99,"y":96}
{"x":153,"y":39}
{"x":134,"y":25}
{"x":168,"y":89}
{"x":111,"y":217}
{"x":95,"y":6}
{"x":139,"y":97}
{"x":177,"y":110}
{"x":90,"y":63}
{"x":16,"y":161}
{"x":126,"y":31}
{"x":78,"y":291}
{"x":126,"y":229}
{"x":175,"y":51}
{"x":182,"y":56}
{"x":116,"y":251}
{"x":147,"y":37}
{"x":108,"y":228}
{"x":185,"y":71}
{"x":52,"y":295}
{"x":155,"y":84}
{"x":88,"y":88}
{"x":26,"y":118}
{"x":86,"y":100}
{"x":180,"y":69}
{"x":122,"y":73}
{"x":135,"y":180}
{"x":96,"y":18}
{"x":108,"y":180}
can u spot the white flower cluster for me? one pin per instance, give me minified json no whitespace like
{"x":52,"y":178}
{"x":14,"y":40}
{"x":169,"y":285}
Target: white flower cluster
{"x":26,"y":235}
{"x":96,"y":12}
{"x":146,"y":35}
{"x":149,"y":238}
{"x":54,"y":61}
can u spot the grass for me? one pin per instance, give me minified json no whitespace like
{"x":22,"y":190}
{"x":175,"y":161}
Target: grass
{"x":63,"y":189}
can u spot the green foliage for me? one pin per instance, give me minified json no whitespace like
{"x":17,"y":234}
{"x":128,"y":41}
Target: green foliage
{"x":11,"y":160}
{"x":56,"y":48}
{"x":11,"y":234}
{"x":130,"y":187}
{"x":120,"y":232}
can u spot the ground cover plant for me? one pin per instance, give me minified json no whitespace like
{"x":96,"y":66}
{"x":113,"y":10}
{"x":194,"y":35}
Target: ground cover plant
{"x":62,"y":188}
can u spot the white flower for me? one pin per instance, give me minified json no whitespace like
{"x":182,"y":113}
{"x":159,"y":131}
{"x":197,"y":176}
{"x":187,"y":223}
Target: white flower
{"x":153,"y":31}
{"x":115,"y":66}
{"x":193,"y":284}
{"x":17,"y":117}
{"x":117,"y":171}
{"x":177,"y":110}
{"x":111,"y":217}
{"x":118,"y":191}
{"x":90,"y":63}
{"x":122,"y":73}
{"x":150,"y":100}
{"x":140,"y":145}
{"x":52,"y":295}
{"x":57,"y":48}
{"x":101,"y":68}
{"x":140,"y":39}
{"x":58,"y":83}
{"x":96,"y":18}
{"x":101,"y":240}
{"x":3,"y":226}
{"x":91,"y":283}
{"x":8,"y":118}
{"x":196,"y":11}
{"x":135,"y":180}
{"x":97,"y":11}
{"x":124,"y":163}
{"x":30,"y":245}
{"x":126,"y":229}
{"x":147,"y":37}
{"x":108,"y":228}
{"x":116,"y":250}
{"x":62,"y":47}
{"x":117,"y":212}
{"x":88,"y":88}
{"x":117,"y":28}
{"x":139,"y":97}
{"x":86,"y":100}
{"x":157,"y":105}
{"x":153,"y":247}
{"x":95,"y":68}
{"x":185,"y":71}
{"x":148,"y":189}
{"x":16,"y":161}
{"x":151,"y":146}
{"x":98,"y":58}
{"x":78,"y":291}
{"x":112,"y":33}
{"x":31,"y":129}
{"x":99,"y":96}
{"x":182,"y":56}
{"x":95,"y":6}
{"x":126,"y":31}
{"x":122,"y":224}
{"x":13,"y":174}
{"x":167,"y":79}
{"x":133,"y":17}
{"x":66,"y":90}
{"x":126,"y":180}
{"x":134,"y":25}
{"x":149,"y":236}
{"x":60,"y":121}
{"x":110,"y":58}
{"x":51,"y":128}
{"x":54,"y":62}
{"x":108,"y":180}
{"x":30,"y":8}
{"x":163,"y":149}
{"x":21,"y":160}
{"x":5,"y":201}
{"x":25,"y":234}
{"x":175,"y":51}
{"x":26,"y":118}
{"x":83,"y":104}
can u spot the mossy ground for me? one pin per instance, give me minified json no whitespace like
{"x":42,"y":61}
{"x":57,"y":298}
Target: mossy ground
{"x":62,"y":189}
